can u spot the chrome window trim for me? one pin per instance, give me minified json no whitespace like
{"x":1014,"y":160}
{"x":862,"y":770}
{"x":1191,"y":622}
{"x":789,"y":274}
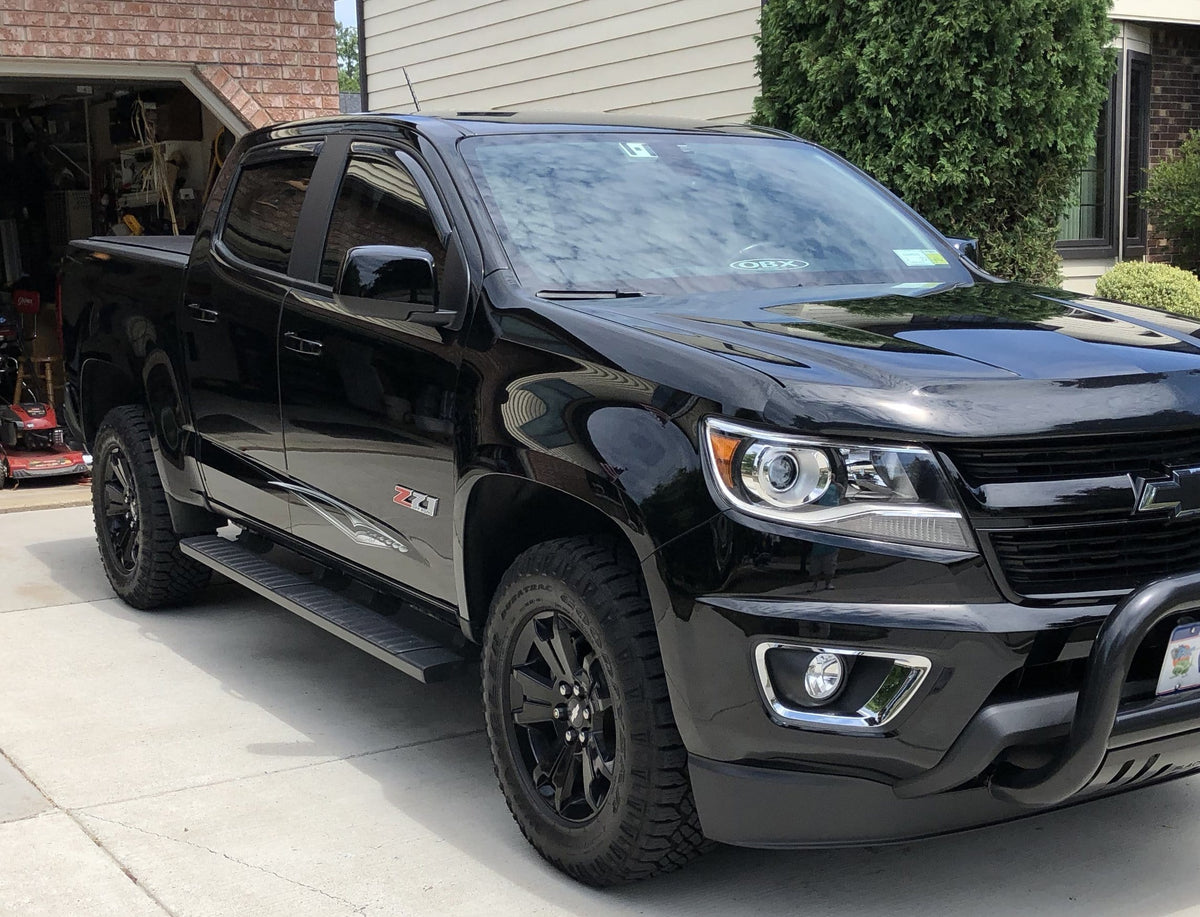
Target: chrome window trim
{"x":877,"y":712}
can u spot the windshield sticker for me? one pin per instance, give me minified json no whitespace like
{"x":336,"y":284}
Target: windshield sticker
{"x":638,"y":151}
{"x":770,"y":265}
{"x":920,"y":257}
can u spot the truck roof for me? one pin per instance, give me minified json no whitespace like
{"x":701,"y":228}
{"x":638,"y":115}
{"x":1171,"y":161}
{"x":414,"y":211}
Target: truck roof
{"x":467,"y":123}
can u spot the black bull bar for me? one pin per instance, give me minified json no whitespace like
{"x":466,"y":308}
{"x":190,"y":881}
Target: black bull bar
{"x":1091,"y":727}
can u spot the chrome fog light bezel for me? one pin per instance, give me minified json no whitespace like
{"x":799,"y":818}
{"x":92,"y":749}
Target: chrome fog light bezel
{"x":898,"y":687}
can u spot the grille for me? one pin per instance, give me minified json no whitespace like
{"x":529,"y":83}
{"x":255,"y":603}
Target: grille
{"x":1082,"y":457}
{"x":1104,"y":557}
{"x":1091,"y":549}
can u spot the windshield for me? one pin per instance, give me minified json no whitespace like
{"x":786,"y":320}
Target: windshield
{"x":681,"y":213}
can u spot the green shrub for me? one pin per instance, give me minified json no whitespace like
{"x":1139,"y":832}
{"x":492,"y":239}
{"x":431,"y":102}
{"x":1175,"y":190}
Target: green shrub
{"x":1173,"y":198}
{"x":1159,"y":286}
{"x":977,"y":114}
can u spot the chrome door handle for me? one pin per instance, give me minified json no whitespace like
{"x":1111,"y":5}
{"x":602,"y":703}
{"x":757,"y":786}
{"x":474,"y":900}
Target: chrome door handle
{"x":201,"y":314}
{"x":297,"y":344}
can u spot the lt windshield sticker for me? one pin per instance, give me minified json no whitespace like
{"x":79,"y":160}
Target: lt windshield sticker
{"x":769,"y":265}
{"x":920,"y":257}
{"x":638,"y":151}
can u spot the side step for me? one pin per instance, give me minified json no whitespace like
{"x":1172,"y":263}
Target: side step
{"x":415,"y":654}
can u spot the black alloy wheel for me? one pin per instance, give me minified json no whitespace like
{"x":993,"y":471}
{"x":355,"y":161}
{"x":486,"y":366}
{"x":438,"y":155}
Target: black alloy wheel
{"x":562,"y":716}
{"x":138,"y":546}
{"x":579,"y":720}
{"x":120,"y":507}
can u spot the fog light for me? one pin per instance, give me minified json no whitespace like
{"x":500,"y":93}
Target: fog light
{"x":836,"y":687}
{"x":823,"y":680}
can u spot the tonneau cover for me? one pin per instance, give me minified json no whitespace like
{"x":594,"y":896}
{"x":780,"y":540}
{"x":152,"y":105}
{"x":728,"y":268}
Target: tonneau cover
{"x":170,"y":249}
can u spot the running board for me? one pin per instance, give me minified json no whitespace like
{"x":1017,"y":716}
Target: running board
{"x":415,"y":654}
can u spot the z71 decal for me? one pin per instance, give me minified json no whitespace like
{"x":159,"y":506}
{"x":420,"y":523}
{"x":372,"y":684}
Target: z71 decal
{"x":414,"y":499}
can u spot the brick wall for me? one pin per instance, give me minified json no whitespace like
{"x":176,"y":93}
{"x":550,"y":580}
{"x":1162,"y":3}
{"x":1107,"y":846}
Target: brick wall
{"x":271,"y":60}
{"x":1174,"y":103}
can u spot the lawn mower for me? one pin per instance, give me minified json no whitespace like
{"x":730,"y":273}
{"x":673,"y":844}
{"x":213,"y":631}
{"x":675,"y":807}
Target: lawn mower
{"x":32,"y":444}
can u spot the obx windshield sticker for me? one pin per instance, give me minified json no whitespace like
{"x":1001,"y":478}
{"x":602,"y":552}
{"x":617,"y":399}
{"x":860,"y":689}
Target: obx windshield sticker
{"x":769,"y":265}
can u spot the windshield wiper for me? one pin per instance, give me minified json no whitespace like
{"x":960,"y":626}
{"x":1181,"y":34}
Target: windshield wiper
{"x":589,"y":294}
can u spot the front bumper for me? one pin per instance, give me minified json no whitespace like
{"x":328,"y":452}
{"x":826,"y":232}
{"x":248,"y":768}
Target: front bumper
{"x":965,"y":751}
{"x":765,"y":807}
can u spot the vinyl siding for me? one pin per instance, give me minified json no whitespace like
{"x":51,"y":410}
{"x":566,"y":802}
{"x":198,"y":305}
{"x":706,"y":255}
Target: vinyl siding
{"x":687,"y":58}
{"x":1174,"y":12}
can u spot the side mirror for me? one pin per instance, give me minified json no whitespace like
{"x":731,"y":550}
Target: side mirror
{"x":388,"y":281}
{"x":968,"y":248}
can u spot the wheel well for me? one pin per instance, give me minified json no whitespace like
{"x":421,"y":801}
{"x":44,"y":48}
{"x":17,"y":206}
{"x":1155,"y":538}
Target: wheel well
{"x":507,"y":515}
{"x":102,"y":388}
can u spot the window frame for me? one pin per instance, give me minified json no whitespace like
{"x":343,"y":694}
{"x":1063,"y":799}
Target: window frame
{"x":1104,"y":246}
{"x":277,"y":151}
{"x":1134,"y":246}
{"x":396,"y":155}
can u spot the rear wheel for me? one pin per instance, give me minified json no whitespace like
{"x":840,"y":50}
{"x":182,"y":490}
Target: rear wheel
{"x":138,"y":546}
{"x":582,"y":737}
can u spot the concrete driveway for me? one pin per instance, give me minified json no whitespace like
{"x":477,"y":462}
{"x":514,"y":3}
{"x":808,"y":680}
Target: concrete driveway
{"x":231,"y":759}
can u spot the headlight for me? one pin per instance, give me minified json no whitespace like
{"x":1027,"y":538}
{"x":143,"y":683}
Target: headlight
{"x":881,"y":492}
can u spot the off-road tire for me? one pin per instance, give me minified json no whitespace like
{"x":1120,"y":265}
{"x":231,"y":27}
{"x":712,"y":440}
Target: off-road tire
{"x":647,"y":822}
{"x":160,"y":576}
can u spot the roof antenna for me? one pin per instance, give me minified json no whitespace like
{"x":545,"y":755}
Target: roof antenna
{"x":416,"y":104}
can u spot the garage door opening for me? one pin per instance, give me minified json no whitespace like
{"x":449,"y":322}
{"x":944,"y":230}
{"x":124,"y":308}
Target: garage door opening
{"x":85,"y":158}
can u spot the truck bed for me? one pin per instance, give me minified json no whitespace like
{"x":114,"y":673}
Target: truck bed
{"x":119,"y":297}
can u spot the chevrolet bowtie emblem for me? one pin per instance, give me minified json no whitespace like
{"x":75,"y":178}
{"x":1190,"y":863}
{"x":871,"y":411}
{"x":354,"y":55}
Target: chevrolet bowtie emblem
{"x":1179,"y":493}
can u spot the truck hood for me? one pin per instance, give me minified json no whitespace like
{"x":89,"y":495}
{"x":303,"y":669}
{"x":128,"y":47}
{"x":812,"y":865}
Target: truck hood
{"x":983,"y":360}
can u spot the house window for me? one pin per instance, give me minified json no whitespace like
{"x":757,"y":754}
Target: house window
{"x":1105,"y":217}
{"x":1137,"y":155}
{"x":1086,"y":227}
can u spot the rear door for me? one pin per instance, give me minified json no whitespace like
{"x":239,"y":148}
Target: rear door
{"x":368,"y":400}
{"x":230,"y":324}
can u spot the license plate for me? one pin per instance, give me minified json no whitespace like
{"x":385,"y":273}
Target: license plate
{"x":1181,"y":668}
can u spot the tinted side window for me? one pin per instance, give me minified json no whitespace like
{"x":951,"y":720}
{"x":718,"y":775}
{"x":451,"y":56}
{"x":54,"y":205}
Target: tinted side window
{"x":378,"y":204}
{"x":264,"y":210}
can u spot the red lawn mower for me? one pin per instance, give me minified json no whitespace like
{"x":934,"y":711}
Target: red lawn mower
{"x":32,"y":444}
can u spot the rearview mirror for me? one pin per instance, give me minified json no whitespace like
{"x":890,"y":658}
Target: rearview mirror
{"x":968,"y":248}
{"x":389,"y":274}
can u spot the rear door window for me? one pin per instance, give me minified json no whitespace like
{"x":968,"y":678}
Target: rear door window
{"x":260,"y":226}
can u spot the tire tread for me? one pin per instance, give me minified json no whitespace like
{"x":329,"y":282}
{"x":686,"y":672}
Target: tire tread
{"x":663,"y":830}
{"x":163,"y":577}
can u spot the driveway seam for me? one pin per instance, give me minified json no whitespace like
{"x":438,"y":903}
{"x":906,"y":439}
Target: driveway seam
{"x":103,"y":598}
{"x":125,"y":870}
{"x":358,"y":908}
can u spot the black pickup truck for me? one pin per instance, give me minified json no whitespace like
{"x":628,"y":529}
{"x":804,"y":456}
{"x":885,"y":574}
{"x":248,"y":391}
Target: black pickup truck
{"x":769,"y":518}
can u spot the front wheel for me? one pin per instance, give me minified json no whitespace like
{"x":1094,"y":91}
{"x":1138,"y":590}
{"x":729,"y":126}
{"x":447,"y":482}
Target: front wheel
{"x":582,"y":737}
{"x":138,"y":546}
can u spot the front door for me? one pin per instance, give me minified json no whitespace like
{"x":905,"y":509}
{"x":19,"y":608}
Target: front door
{"x":368,"y":401}
{"x":229,"y":323}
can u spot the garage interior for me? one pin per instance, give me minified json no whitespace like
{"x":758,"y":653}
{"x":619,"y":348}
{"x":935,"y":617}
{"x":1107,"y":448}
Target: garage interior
{"x":85,"y":158}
